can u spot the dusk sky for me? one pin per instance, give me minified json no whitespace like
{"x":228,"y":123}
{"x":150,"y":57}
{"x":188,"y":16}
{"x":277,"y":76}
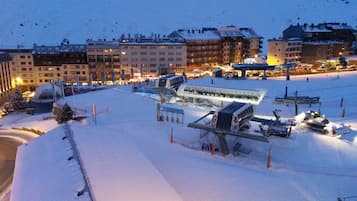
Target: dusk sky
{"x":48,"y":22}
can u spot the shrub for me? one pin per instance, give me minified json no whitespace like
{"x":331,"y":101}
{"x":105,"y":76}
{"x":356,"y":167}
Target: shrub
{"x":65,"y":114}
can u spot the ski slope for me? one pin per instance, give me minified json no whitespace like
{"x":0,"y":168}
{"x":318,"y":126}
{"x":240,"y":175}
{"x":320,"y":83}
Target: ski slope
{"x":127,"y":155}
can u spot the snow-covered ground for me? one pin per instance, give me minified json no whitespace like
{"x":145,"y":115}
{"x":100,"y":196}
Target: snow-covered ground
{"x":47,"y":22}
{"x":126,"y":154}
{"x":42,"y":122}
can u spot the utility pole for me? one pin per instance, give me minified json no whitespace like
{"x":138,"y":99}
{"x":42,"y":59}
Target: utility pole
{"x":94,"y":113}
{"x":296,"y":105}
{"x":287,"y":66}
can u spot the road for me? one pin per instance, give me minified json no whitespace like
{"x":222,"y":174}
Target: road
{"x":8,"y":149}
{"x":9,"y":141}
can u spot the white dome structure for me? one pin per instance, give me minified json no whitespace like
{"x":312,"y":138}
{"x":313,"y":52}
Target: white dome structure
{"x":45,"y":92}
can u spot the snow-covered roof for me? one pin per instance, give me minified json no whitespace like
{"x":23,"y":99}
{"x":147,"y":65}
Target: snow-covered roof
{"x":153,"y":43}
{"x":43,"y":166}
{"x":249,"y":32}
{"x":231,"y":34}
{"x":325,"y":27}
{"x":73,"y":48}
{"x":44,"y":49}
{"x":338,"y":26}
{"x":212,"y":33}
{"x":4,"y":57}
{"x":315,"y":29}
{"x":102,"y":44}
{"x":230,"y":31}
{"x":285,"y":39}
{"x":198,"y":34}
{"x":17,"y":50}
{"x":322,"y":42}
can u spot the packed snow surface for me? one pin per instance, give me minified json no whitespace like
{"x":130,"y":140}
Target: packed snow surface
{"x":127,"y":154}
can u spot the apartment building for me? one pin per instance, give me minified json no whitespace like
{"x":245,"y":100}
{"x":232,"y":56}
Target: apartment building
{"x":282,"y":51}
{"x":151,"y":56}
{"x":5,"y":75}
{"x":66,"y":62}
{"x":239,"y":43}
{"x":232,"y":44}
{"x":333,"y":39}
{"x":253,"y":42}
{"x":22,"y":68}
{"x":340,"y":32}
{"x":122,"y":59}
{"x":104,"y":60}
{"x":318,"y":42}
{"x":211,"y":46}
{"x":320,"y":51}
{"x":203,"y":47}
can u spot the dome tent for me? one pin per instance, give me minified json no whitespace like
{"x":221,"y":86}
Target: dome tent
{"x":44,"y":93}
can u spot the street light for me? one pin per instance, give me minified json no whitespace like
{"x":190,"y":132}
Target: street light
{"x":170,"y":70}
{"x":17,"y":81}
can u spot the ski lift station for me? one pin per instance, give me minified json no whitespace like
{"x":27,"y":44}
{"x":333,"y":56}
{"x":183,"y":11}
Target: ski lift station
{"x":257,"y":67}
{"x":219,"y":95}
{"x":170,"y":82}
{"x":214,"y":95}
{"x":233,"y":117}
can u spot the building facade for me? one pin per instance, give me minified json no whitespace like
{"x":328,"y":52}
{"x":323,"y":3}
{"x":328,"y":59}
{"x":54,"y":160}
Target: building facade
{"x":253,"y":43}
{"x":151,"y":56}
{"x":66,"y":62}
{"x":210,"y":46}
{"x":22,"y":68}
{"x":239,"y":43}
{"x":336,"y":32}
{"x":281,"y":51}
{"x":318,"y":42}
{"x":317,"y":52}
{"x":203,"y":47}
{"x":232,"y":41}
{"x":104,"y":60}
{"x":5,"y":75}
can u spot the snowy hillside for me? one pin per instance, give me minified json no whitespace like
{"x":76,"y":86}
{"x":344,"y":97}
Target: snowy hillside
{"x":47,"y":22}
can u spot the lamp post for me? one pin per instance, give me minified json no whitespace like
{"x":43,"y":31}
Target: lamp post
{"x":170,"y":69}
{"x":142,"y":70}
{"x":17,"y":81}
